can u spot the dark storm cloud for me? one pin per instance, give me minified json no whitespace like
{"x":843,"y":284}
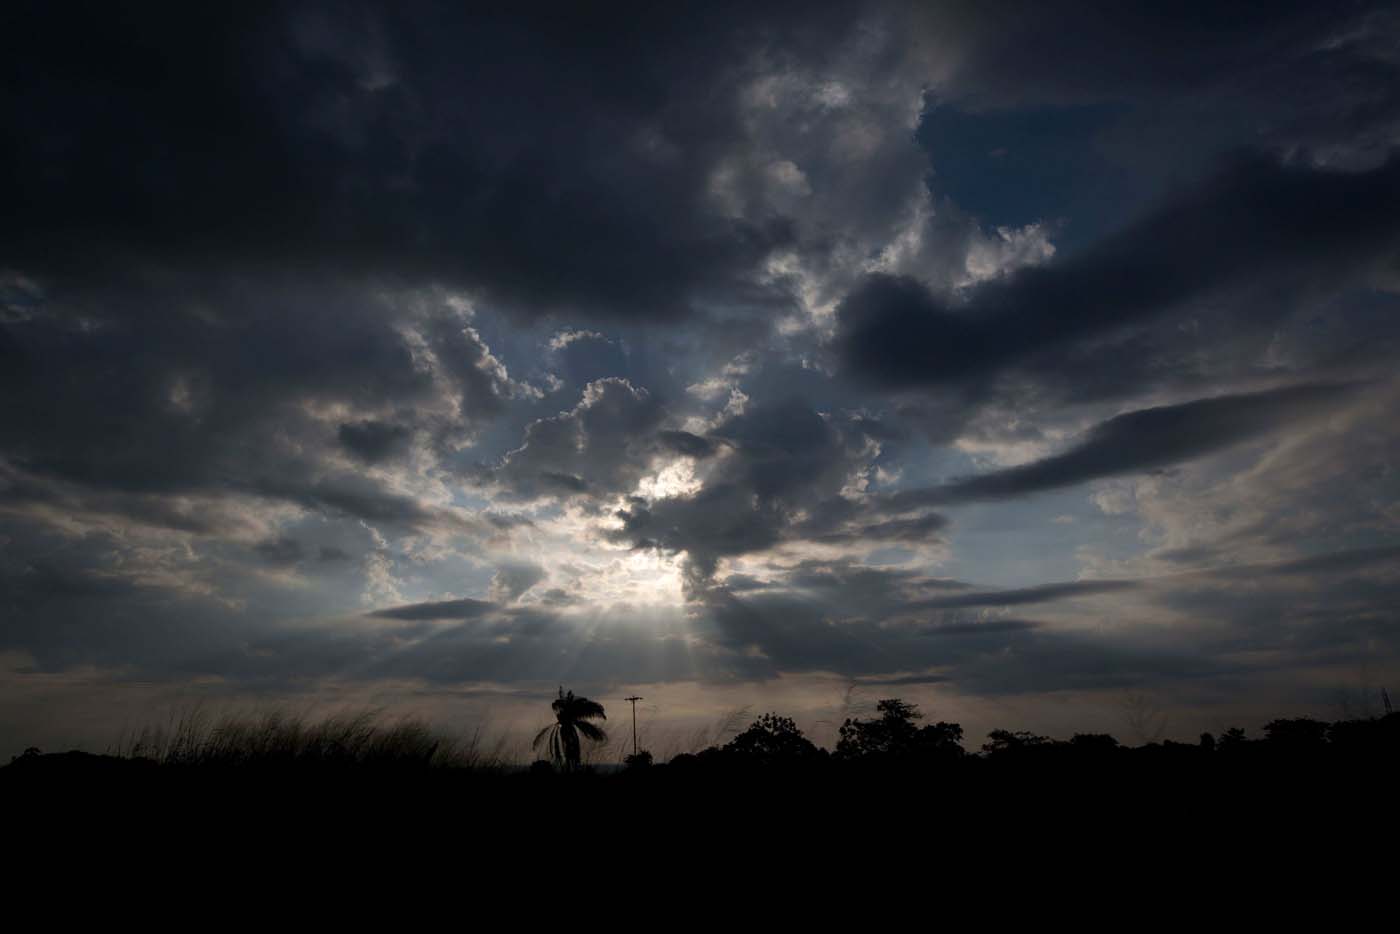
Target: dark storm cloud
{"x":601,"y":446}
{"x":149,"y":397}
{"x":981,"y":628}
{"x":683,"y":442}
{"x":774,"y":472}
{"x":1143,"y":440}
{"x":126,"y":397}
{"x":780,"y":478}
{"x":1295,"y":228}
{"x":280,"y":551}
{"x":482,"y":385}
{"x":1180,"y":82}
{"x":541,"y":155}
{"x":924,"y":528}
{"x":860,"y":583}
{"x":1017,"y":51}
{"x":373,"y":441}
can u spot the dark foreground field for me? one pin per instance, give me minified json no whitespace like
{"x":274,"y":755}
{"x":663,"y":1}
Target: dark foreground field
{"x":1301,"y":824}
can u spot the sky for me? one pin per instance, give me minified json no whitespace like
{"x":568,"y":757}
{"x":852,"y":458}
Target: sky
{"x":1033,"y":362}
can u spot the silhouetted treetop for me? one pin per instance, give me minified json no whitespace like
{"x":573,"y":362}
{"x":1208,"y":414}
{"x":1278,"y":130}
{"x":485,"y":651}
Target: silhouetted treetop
{"x":894,"y":733}
{"x":562,"y":738}
{"x":1004,"y":741}
{"x":772,"y":740}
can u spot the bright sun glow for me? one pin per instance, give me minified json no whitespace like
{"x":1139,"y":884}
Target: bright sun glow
{"x":675,"y":479}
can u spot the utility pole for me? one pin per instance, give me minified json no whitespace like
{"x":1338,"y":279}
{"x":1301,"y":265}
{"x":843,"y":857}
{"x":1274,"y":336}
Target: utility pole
{"x":634,"y":700}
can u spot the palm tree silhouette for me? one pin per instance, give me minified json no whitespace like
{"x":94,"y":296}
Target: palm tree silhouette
{"x":571,"y":716}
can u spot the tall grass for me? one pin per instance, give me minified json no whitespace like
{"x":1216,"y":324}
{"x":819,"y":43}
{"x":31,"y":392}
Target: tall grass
{"x":197,"y":737}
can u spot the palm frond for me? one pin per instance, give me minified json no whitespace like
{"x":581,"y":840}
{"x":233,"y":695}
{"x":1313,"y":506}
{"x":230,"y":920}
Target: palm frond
{"x":539,"y":737}
{"x":591,"y":731}
{"x":585,"y":709}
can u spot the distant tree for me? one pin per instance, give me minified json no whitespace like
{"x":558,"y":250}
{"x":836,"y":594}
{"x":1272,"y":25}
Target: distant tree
{"x":571,"y":721}
{"x":1232,"y":739}
{"x":1299,"y":733}
{"x":772,"y":740}
{"x":941,"y":739}
{"x":684,"y":760}
{"x":1093,"y":742}
{"x":1377,"y":734}
{"x":1004,"y":741}
{"x":638,"y":760}
{"x":895,"y":733}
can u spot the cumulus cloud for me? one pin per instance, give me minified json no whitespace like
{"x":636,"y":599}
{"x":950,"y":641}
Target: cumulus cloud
{"x":603,"y":445}
{"x":779,"y":478}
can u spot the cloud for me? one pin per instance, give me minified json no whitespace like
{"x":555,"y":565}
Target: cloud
{"x":1295,"y":228}
{"x":1143,"y":440}
{"x":923,"y":528}
{"x":442,"y":609}
{"x":1043,"y":593}
{"x":683,"y":442}
{"x":261,"y":395}
{"x":512,"y":580}
{"x":780,"y":478}
{"x":373,"y":441}
{"x":1288,"y":76}
{"x":280,"y":551}
{"x":602,"y":446}
{"x":381,"y":138}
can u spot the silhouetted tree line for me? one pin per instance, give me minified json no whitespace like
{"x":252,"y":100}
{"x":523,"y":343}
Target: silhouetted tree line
{"x":895,"y":738}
